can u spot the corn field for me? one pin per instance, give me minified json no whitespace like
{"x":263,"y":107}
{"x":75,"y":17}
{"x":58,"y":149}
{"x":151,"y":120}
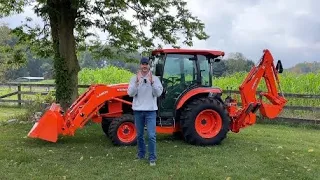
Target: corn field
{"x":289,"y":83}
{"x":108,"y":75}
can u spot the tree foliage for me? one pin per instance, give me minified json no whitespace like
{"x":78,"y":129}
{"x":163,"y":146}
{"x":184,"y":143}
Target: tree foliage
{"x":168,"y":21}
{"x":125,"y":22}
{"x":36,"y":67}
{"x":306,"y":67}
{"x":11,"y":56}
{"x":236,"y":62}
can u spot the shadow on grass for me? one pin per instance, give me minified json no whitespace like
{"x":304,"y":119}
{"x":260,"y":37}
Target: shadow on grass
{"x":92,"y":136}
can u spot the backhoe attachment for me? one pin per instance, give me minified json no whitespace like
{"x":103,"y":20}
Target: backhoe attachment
{"x":242,"y":117}
{"x":55,"y":122}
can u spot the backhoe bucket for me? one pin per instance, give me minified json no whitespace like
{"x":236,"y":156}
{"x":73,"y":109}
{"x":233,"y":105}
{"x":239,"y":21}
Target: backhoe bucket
{"x":270,"y":111}
{"x":49,"y":125}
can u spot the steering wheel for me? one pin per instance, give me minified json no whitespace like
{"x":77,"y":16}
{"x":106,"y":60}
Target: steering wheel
{"x":167,"y":80}
{"x":173,"y":78}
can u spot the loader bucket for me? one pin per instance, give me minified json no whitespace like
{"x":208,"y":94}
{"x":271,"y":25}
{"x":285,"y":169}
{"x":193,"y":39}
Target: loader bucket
{"x":49,"y":125}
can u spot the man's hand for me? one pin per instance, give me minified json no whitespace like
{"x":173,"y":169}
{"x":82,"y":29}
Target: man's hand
{"x":150,"y":77}
{"x":138,"y":77}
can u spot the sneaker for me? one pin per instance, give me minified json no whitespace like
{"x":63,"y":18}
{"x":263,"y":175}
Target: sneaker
{"x":152,"y":163}
{"x":139,"y":158}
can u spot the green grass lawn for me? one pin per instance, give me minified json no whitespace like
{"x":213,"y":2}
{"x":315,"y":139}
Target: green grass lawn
{"x":259,"y":152}
{"x":8,"y":112}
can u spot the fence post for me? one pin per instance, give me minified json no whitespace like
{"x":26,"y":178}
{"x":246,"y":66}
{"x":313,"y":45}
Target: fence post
{"x":19,"y":95}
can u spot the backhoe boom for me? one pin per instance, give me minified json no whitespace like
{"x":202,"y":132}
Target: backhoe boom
{"x":242,"y":117}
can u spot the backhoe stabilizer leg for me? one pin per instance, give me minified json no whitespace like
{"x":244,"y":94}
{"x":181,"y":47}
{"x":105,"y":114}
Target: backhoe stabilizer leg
{"x":246,"y":117}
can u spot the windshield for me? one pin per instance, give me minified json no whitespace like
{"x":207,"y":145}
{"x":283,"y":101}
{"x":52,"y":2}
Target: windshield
{"x":179,"y":69}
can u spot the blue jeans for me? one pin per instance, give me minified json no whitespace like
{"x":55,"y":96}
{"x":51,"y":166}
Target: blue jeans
{"x":148,"y":118}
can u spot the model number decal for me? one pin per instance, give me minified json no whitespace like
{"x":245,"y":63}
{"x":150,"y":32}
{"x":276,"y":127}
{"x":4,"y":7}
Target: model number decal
{"x":122,"y":89}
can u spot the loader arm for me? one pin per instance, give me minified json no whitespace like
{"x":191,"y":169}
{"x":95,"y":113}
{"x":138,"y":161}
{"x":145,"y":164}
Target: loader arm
{"x":242,"y":117}
{"x":86,"y":107}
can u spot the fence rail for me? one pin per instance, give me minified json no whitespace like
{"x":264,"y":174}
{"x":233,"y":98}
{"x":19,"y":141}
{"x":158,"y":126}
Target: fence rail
{"x":293,"y":95}
{"x":36,"y":85}
{"x":46,"y":88}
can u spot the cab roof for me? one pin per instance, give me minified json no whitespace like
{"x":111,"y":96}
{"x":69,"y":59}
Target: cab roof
{"x":189,"y":51}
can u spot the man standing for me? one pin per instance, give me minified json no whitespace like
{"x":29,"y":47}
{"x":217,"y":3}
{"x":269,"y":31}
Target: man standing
{"x":145,"y":88}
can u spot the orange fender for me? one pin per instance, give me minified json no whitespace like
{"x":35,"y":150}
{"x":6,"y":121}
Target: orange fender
{"x":196,"y":91}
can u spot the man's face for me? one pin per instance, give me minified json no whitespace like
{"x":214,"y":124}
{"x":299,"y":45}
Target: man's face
{"x":144,"y":67}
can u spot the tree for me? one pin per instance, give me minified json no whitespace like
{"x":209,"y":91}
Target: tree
{"x":219,"y":68}
{"x":237,"y":62}
{"x":11,"y":56}
{"x":86,"y":61}
{"x":63,"y":17}
{"x":31,"y":67}
{"x":305,"y":67}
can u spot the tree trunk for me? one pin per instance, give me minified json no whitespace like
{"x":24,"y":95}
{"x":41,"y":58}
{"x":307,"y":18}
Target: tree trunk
{"x":62,"y":18}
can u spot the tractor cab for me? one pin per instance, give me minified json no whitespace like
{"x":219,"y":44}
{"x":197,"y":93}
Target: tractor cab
{"x":180,"y":71}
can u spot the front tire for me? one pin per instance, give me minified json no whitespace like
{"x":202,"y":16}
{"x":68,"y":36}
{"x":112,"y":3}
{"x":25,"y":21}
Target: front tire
{"x":204,"y":122}
{"x":105,"y":124}
{"x":122,"y":131}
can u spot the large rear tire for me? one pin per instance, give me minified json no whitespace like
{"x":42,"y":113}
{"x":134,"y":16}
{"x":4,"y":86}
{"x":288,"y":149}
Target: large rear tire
{"x":204,"y":122}
{"x":122,"y":131}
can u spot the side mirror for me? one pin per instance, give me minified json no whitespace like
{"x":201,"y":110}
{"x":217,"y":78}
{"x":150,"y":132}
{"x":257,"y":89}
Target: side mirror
{"x":159,"y":70}
{"x":279,"y":66}
{"x":215,"y":60}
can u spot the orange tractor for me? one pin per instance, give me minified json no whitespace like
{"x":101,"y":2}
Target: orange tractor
{"x":190,"y":105}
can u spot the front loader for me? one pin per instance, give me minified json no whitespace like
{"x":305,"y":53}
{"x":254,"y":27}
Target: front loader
{"x":190,"y":105}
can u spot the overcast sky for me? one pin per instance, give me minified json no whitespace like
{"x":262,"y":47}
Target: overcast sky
{"x":289,"y":28}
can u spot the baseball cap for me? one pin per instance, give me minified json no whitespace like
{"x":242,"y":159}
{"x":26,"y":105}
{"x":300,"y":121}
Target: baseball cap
{"x":144,"y":60}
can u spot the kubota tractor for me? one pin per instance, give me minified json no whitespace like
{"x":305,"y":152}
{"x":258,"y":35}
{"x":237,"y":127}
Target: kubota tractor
{"x":190,"y":105}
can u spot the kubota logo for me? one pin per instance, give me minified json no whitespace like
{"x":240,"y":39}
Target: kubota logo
{"x":103,"y":93}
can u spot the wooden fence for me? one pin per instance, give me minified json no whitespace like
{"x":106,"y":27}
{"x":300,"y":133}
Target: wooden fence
{"x":20,"y":89}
